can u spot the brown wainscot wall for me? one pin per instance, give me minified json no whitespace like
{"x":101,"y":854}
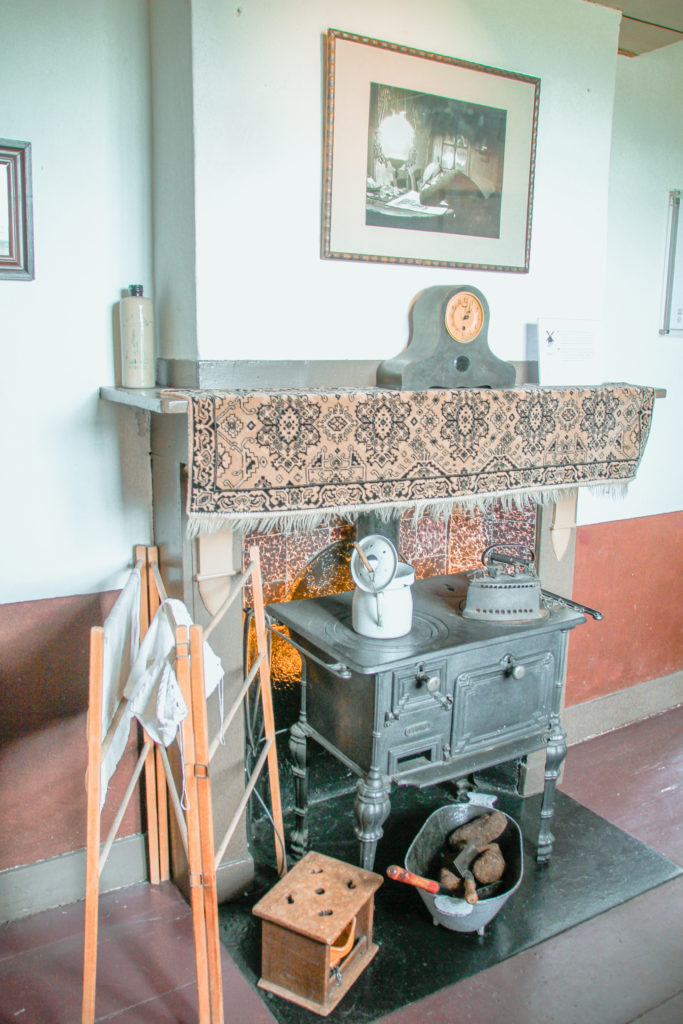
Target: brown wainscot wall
{"x":632,"y":571}
{"x":44,"y":649}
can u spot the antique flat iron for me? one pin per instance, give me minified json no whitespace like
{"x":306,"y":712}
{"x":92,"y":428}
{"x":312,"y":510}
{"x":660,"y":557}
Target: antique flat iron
{"x":507,"y":589}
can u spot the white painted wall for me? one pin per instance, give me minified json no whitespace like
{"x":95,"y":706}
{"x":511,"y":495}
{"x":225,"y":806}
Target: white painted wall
{"x":647,"y":162}
{"x":74,"y":82}
{"x":262,"y":290}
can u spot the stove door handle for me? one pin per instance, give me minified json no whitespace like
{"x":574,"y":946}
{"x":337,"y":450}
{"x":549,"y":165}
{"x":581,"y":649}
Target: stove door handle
{"x":513,"y":669}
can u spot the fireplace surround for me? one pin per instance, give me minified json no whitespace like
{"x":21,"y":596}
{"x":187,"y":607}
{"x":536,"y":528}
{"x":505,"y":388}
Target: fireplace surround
{"x":184,"y":560}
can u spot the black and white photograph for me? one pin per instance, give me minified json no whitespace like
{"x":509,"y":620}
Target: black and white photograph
{"x":434,"y":163}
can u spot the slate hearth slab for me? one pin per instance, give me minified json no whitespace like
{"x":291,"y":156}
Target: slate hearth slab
{"x":595,"y":866}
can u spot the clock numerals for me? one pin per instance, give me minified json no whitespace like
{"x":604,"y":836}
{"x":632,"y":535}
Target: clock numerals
{"x":464,"y":317}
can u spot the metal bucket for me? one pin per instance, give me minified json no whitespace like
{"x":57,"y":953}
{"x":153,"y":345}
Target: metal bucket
{"x":451,"y":911}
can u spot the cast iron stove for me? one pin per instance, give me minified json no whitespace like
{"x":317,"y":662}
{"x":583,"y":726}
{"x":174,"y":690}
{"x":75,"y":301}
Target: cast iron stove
{"x":451,"y":697}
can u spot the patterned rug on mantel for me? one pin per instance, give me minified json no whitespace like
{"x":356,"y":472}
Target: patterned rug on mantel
{"x":293,"y":459}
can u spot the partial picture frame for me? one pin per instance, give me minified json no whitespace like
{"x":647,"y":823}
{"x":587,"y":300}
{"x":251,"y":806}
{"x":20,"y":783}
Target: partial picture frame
{"x":427,"y":159}
{"x":672,"y":314}
{"x":16,"y":211}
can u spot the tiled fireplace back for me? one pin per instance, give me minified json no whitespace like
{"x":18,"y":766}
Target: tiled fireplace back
{"x":293,"y":565}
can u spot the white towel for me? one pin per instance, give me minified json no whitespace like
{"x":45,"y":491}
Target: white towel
{"x":152,"y":688}
{"x":121,"y":646}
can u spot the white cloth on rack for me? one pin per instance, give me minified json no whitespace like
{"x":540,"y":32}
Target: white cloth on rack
{"x":121,"y":646}
{"x":152,"y":689}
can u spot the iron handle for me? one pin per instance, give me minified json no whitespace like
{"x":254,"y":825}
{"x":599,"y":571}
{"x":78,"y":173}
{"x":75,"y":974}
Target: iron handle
{"x":513,"y":671}
{"x":337,"y":668}
{"x":431,"y":683}
{"x":499,"y":556}
{"x":574,"y":604}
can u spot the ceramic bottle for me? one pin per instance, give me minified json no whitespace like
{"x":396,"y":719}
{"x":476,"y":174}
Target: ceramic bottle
{"x":136,"y":314}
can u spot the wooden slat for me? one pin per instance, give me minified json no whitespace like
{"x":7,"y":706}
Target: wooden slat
{"x":235,"y":706}
{"x":125,"y":799}
{"x":155,"y":786}
{"x":151,"y":805}
{"x":267,"y":704}
{"x":162,"y":816}
{"x":140,"y":552}
{"x":92,"y":875}
{"x":201,"y":736}
{"x":155,"y":598}
{"x":193,"y":829}
{"x":239,"y":810}
{"x":146,"y":616}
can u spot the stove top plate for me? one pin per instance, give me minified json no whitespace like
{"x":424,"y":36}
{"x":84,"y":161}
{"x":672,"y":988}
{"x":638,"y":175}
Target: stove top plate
{"x":324,"y":625}
{"x":426,"y":629}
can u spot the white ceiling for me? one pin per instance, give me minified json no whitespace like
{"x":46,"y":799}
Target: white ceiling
{"x":647,"y":24}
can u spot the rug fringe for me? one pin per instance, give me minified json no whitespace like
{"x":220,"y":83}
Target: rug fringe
{"x":298,"y":521}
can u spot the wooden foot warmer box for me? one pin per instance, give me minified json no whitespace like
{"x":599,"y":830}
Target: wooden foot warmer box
{"x":317,"y":931}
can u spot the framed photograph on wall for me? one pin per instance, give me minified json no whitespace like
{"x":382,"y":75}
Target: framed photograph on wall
{"x":16,"y":211}
{"x":427,"y":159}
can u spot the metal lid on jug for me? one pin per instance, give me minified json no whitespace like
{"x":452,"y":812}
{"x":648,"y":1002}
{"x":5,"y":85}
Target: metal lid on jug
{"x":373,"y":563}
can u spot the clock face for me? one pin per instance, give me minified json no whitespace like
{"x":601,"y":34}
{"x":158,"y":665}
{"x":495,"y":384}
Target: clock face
{"x":464,"y":317}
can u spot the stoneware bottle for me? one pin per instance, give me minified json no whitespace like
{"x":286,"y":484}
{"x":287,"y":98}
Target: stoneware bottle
{"x":137,"y":340}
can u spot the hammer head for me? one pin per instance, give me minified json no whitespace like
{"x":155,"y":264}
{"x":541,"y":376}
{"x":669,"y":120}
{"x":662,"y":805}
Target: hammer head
{"x":470,"y":840}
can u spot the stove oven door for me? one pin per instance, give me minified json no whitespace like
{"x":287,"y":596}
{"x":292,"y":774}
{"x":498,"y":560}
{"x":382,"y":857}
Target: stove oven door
{"x":503,"y":703}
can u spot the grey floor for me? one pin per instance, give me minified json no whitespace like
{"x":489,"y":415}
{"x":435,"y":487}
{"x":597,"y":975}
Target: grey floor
{"x":624,"y":966}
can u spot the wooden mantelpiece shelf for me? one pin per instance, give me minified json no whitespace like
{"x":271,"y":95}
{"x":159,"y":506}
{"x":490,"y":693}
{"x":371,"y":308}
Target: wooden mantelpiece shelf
{"x":153,"y":399}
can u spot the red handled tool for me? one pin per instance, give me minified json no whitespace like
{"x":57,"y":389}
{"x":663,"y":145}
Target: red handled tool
{"x":402,"y":875}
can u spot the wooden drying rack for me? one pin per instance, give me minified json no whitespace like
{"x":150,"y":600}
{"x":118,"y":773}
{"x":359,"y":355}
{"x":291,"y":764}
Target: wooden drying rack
{"x":193,"y":814}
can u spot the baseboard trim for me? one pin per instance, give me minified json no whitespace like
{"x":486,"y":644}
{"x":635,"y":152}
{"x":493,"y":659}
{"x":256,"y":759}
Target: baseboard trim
{"x":30,"y":888}
{"x":605,"y":714}
{"x":616,"y":710}
{"x":58,"y":881}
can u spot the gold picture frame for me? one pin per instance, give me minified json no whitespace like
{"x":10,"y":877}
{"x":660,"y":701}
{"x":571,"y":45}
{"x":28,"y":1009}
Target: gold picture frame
{"x":427,"y":160}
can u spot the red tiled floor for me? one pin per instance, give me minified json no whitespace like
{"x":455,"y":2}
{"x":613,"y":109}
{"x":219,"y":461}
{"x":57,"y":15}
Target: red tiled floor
{"x":633,"y":777}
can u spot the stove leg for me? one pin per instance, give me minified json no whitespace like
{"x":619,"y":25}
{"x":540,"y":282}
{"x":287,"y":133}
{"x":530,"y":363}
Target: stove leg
{"x":556,"y":751}
{"x":371,"y":809}
{"x":298,"y":748}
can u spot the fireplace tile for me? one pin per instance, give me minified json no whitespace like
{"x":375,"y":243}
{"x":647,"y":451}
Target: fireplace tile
{"x":273,"y":552}
{"x":341,"y":529}
{"x":431,"y":544}
{"x":425,"y":537}
{"x":302,"y":547}
{"x":512,"y":526}
{"x":466,"y":541}
{"x":273,"y":590}
{"x":425,"y":567}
